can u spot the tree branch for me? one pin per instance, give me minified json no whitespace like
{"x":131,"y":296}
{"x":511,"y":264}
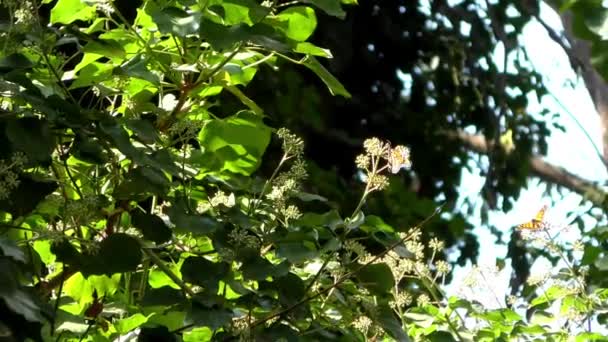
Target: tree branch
{"x":540,"y":168}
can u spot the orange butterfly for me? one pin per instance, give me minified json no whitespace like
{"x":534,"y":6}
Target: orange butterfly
{"x":537,"y":222}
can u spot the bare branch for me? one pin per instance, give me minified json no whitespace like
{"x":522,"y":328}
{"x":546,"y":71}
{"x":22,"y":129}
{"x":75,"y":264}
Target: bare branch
{"x":540,"y":168}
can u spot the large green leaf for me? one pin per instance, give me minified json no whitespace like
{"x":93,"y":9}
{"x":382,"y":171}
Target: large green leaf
{"x":297,"y":252}
{"x":175,"y":20}
{"x":239,"y":141}
{"x":203,"y":272}
{"x":334,"y":86}
{"x":89,"y":150}
{"x":27,"y":195}
{"x":291,"y":289}
{"x":14,"y":61}
{"x":117,"y":253}
{"x":330,"y":219}
{"x":152,"y":226}
{"x":144,"y":130}
{"x":385,"y":316}
{"x":33,"y":137}
{"x":163,"y":296}
{"x":197,"y":224}
{"x":298,"y":22}
{"x":68,"y":11}
{"x":241,"y":11}
{"x":10,"y":249}
{"x":17,"y":298}
{"x":141,"y":183}
{"x":258,"y":268}
{"x":331,"y":7}
{"x":108,"y":48}
{"x":137,"y":67}
{"x":377,"y":278}
{"x":222,"y":37}
{"x":125,"y":325}
{"x":93,"y":73}
{"x":209,"y":317}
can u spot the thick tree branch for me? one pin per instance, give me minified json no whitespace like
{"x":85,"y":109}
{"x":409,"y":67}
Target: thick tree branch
{"x":543,"y":170}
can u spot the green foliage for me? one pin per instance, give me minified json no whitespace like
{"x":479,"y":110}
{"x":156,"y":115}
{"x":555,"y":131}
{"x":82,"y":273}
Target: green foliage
{"x":134,"y":201}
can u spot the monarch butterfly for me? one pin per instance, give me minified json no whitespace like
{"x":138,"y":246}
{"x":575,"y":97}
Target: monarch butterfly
{"x":399,"y":157}
{"x":537,"y":222}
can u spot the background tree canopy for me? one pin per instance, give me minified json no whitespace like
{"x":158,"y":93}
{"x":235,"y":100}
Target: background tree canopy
{"x":203,"y":170}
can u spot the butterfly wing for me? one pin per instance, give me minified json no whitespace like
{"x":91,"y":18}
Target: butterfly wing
{"x":399,"y":158}
{"x":541,"y":214}
{"x":532,"y":225}
{"x":537,"y":222}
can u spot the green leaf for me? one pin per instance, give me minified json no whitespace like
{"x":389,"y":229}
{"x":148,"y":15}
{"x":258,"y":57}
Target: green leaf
{"x":10,"y":249}
{"x":141,"y":183}
{"x":18,"y":299}
{"x":107,"y":48}
{"x":377,"y":278}
{"x":239,"y":141}
{"x":68,"y":11}
{"x":89,"y":150}
{"x":223,"y":37}
{"x":175,"y":21}
{"x":9,"y":283}
{"x":297,"y":252}
{"x":597,"y":22}
{"x":243,"y":11}
{"x":13,"y":62}
{"x":152,"y":227}
{"x":298,"y":22}
{"x":334,"y":86}
{"x":125,"y":325}
{"x":308,"y":197}
{"x":27,"y":195}
{"x":258,"y":268}
{"x":441,"y":336}
{"x":33,"y":137}
{"x":355,"y":222}
{"x":209,"y":317}
{"x":552,"y":293}
{"x":43,"y":248}
{"x":291,"y":289}
{"x":93,"y":73}
{"x":330,"y":219}
{"x":198,"y":335}
{"x":245,"y":100}
{"x":118,"y":253}
{"x":156,"y":334}
{"x":386,"y":318}
{"x":331,"y":7}
{"x":203,"y":272}
{"x":163,"y":296}
{"x":311,"y":49}
{"x":25,"y":304}
{"x":137,"y":67}
{"x":197,"y":224}
{"x":144,"y":130}
{"x":158,"y":278}
{"x":374,"y":224}
{"x":66,"y":252}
